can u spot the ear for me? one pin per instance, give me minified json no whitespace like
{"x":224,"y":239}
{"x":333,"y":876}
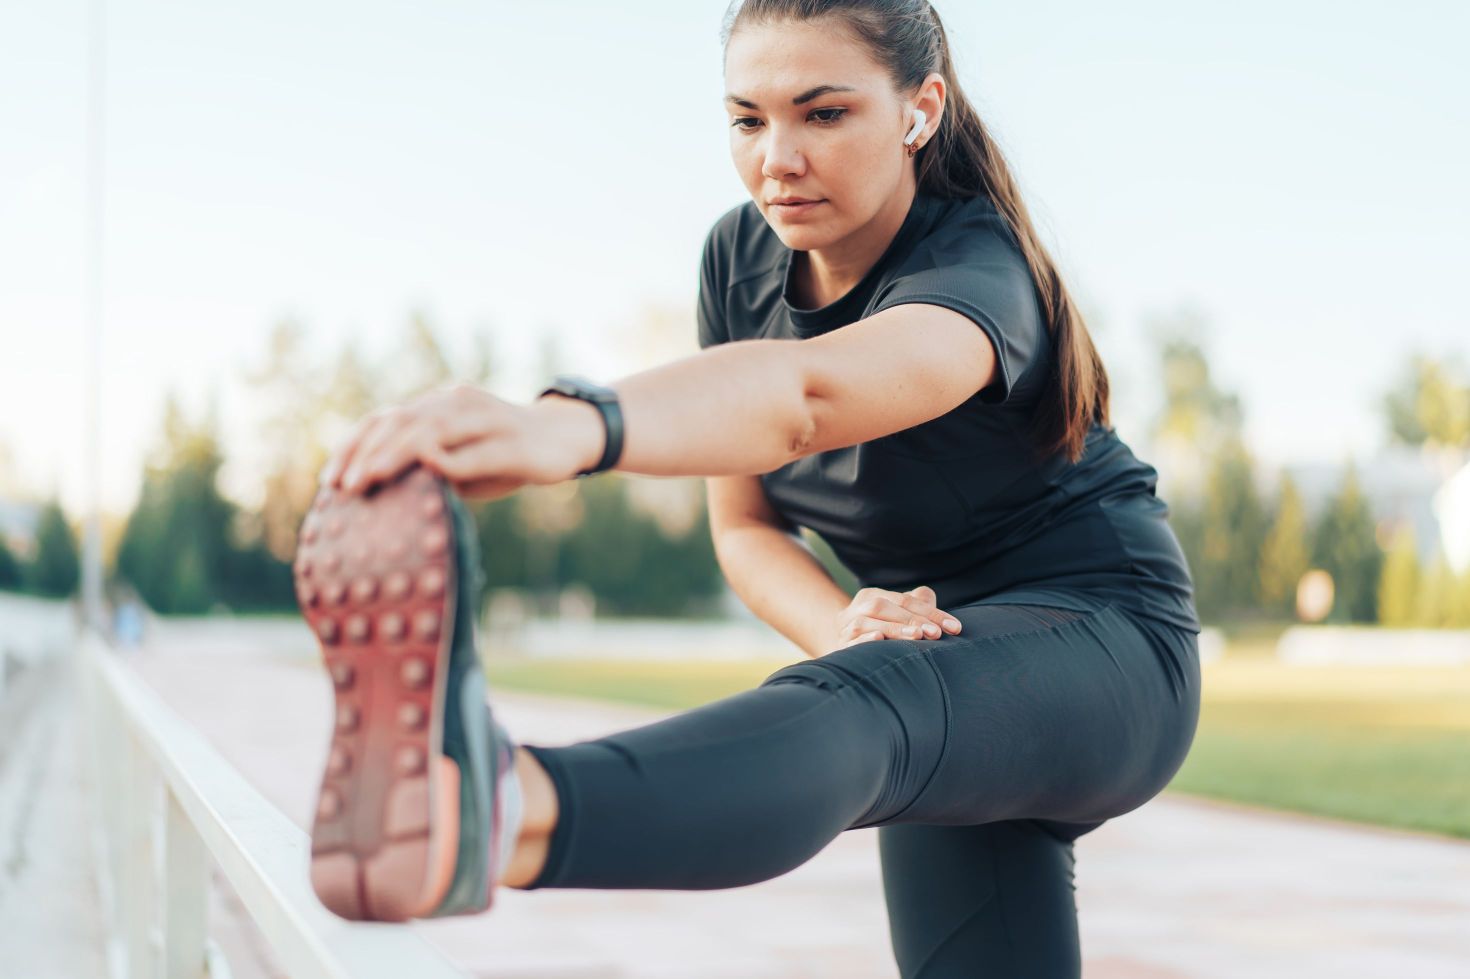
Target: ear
{"x":929,"y":99}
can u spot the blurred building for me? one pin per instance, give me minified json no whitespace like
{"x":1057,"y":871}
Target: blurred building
{"x":1426,"y":489}
{"x":1452,"y":508}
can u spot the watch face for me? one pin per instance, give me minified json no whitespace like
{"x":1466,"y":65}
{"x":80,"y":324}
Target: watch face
{"x":582,"y":388}
{"x":601,"y":393}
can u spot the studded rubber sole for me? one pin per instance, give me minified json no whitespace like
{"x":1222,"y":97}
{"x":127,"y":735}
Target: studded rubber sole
{"x":376,"y":580}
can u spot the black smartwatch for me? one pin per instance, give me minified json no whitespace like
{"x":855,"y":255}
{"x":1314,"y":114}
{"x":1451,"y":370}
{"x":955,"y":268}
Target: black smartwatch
{"x":606,"y":400}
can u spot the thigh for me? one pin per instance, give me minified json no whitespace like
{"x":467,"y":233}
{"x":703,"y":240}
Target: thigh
{"x":1072,"y":723}
{"x":976,"y":901}
{"x":1073,"y":719}
{"x":910,"y":700}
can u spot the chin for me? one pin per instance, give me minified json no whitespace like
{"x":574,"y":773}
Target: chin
{"x":802,"y":239}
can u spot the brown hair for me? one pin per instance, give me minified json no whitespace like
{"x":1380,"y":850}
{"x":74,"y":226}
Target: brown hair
{"x":960,"y":160}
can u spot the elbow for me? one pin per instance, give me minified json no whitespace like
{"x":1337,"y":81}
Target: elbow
{"x":802,"y":435}
{"x":800,"y":430}
{"x":787,"y":418}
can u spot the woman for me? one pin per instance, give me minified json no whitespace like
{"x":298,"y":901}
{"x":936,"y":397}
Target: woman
{"x":894,"y":364}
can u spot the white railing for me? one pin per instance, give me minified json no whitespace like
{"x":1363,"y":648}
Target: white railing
{"x":167,"y":804}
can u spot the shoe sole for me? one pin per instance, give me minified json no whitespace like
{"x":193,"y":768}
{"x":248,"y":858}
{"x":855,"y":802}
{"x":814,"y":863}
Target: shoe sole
{"x":376,"y":580}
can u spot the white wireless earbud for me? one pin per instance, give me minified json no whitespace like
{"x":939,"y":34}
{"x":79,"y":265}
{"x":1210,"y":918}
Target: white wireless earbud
{"x":919,"y":120}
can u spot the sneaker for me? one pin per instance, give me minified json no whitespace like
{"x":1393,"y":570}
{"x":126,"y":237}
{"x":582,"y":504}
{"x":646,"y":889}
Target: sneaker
{"x":409,"y":820}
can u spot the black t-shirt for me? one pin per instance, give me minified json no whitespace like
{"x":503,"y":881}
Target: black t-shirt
{"x":958,"y":502}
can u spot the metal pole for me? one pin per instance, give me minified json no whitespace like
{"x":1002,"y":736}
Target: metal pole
{"x":92,"y":552}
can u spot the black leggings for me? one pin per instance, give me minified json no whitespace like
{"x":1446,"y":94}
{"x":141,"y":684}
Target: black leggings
{"x":982,"y":756}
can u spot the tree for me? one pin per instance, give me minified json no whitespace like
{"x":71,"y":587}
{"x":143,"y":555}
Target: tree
{"x":1429,"y":403}
{"x":55,"y":570}
{"x":1234,"y":531}
{"x":421,"y":363}
{"x":181,"y":549}
{"x":1459,"y":617}
{"x":1284,"y":557}
{"x":1398,"y":587}
{"x":1435,"y":600}
{"x":291,"y":389}
{"x":1344,"y":544}
{"x":1198,"y":419}
{"x":12,"y":575}
{"x":623,"y":557}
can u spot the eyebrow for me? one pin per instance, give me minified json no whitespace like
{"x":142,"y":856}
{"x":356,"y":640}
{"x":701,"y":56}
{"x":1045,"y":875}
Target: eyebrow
{"x":804,"y":97}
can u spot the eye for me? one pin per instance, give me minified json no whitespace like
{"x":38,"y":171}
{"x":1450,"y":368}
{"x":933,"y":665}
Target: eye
{"x":826,"y":120}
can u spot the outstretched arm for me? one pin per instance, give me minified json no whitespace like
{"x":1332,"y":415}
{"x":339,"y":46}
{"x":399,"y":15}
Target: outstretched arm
{"x":752,"y":406}
{"x":735,"y":409}
{"x":740,"y":408}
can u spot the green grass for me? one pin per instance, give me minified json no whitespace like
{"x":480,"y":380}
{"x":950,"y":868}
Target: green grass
{"x":673,"y":685}
{"x":1374,"y":744}
{"x":1382,"y":745}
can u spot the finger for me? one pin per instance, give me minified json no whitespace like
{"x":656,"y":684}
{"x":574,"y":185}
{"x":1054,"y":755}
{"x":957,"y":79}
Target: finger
{"x":368,"y":449}
{"x":922,"y":603}
{"x":924,"y":593}
{"x":399,"y":448}
{"x":912,"y":624}
{"x":342,"y":458}
{"x":890,"y":628}
{"x":445,"y":418}
{"x":467,"y":413}
{"x":482,"y":460}
{"x":864,"y":637}
{"x":861,"y":627}
{"x":332,"y":468}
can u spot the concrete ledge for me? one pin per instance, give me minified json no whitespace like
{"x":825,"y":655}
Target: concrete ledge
{"x":1309,"y":645}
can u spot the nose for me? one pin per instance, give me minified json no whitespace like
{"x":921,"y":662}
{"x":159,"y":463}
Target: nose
{"x":783,"y":158}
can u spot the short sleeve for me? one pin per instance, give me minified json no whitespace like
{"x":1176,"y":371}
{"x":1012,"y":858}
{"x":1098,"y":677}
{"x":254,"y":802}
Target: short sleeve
{"x":710,"y":310}
{"x":997,"y":294}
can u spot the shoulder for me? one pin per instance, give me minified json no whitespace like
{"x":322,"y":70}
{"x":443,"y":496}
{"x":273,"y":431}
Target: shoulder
{"x":968,"y":230}
{"x":967,"y":249}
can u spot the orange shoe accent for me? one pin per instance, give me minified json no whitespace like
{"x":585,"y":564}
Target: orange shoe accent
{"x":437,"y":884}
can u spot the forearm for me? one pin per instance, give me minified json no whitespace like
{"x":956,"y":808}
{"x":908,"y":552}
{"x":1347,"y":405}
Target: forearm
{"x":783,"y":583}
{"x":734,"y":409}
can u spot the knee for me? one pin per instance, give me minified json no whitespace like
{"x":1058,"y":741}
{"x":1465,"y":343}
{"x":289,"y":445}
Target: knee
{"x":853,"y":665}
{"x":898,"y":696}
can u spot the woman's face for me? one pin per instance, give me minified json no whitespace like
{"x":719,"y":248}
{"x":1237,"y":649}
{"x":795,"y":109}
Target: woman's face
{"x":841,"y":146}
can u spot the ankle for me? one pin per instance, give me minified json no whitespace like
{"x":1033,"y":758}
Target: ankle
{"x":539,"y":792}
{"x":526,"y":863}
{"x":538,"y":819}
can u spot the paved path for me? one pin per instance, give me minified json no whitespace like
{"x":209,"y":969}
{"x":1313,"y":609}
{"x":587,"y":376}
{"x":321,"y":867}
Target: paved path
{"x":1178,"y":888}
{"x":50,"y":915}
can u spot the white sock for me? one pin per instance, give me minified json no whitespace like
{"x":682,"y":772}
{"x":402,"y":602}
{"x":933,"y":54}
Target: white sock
{"x":511,"y":801}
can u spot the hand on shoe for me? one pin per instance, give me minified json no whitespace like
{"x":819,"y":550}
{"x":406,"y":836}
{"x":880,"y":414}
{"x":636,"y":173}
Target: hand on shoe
{"x":877,"y":613}
{"x":485,"y":446}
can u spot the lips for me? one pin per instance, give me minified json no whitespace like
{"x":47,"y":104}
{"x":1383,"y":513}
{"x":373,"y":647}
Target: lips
{"x":795,"y":200}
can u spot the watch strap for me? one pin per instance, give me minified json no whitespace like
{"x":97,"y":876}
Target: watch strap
{"x":606,"y":401}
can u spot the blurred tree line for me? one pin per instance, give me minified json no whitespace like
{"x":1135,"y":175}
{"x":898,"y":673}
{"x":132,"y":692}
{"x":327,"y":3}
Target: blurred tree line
{"x":54,"y":567}
{"x":641,"y":545}
{"x":188,"y":549}
{"x":1248,"y":550}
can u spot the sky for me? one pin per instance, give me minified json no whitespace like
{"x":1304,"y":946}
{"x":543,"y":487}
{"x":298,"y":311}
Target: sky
{"x":1292,"y":174}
